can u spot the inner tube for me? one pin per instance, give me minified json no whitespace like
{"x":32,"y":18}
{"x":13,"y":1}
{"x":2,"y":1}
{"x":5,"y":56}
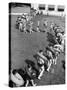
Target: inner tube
{"x":17,"y":79}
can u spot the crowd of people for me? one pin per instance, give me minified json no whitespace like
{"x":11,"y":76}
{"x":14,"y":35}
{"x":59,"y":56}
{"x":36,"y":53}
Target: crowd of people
{"x":52,"y":52}
{"x":21,"y":24}
{"x":44,"y":58}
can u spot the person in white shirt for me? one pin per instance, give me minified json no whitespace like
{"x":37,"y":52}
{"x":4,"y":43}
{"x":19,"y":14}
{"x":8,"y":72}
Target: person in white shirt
{"x":38,"y":29}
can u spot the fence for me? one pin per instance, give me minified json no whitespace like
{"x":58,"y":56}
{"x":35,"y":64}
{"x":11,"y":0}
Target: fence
{"x":57,"y":10}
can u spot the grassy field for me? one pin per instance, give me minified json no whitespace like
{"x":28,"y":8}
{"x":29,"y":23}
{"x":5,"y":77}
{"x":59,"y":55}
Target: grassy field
{"x":24,"y":46}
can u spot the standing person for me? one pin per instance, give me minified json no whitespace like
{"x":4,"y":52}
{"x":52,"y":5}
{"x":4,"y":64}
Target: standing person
{"x":18,"y":19}
{"x":49,"y":56}
{"x":41,"y":63}
{"x":21,"y":26}
{"x":31,"y":27}
{"x":59,"y":37}
{"x":50,"y":59}
{"x":45,"y":23}
{"x":18,"y":22}
{"x":55,"y":52}
{"x":24,"y":22}
{"x":53,"y":56}
{"x":38,"y":29}
{"x":59,"y":47}
{"x":30,"y":75}
{"x":52,"y":26}
{"x":27,"y":17}
{"x":61,"y":41}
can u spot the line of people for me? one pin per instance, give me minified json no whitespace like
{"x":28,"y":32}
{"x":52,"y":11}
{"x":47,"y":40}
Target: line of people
{"x":60,"y":37}
{"x":45,"y":58}
{"x":52,"y":52}
{"x":21,"y":24}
